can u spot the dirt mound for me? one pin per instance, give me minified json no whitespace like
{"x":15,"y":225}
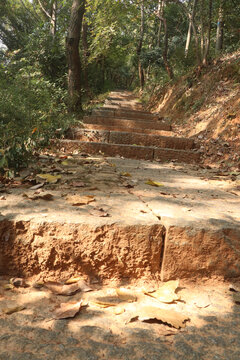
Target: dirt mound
{"x":206,"y":106}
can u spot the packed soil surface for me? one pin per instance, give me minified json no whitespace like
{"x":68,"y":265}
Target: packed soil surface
{"x":206,"y":106}
{"x":211,"y":330}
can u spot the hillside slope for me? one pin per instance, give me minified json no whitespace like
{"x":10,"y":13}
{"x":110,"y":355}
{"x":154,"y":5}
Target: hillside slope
{"x":207,"y":107}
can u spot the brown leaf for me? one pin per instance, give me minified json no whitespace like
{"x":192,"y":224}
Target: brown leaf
{"x":47,"y":197}
{"x":103,"y":304}
{"x":78,"y":184}
{"x":82,"y":285}
{"x":170,"y":317}
{"x":166,"y":293}
{"x":99,"y":212}
{"x":126,"y":295}
{"x":67,"y":290}
{"x":11,"y":310}
{"x":76,"y":200}
{"x":18,"y":282}
{"x":67,"y":310}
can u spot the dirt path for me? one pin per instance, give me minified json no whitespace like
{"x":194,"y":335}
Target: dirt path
{"x":117,"y":222}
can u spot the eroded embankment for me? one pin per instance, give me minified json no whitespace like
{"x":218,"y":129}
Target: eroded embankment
{"x":118,"y":252}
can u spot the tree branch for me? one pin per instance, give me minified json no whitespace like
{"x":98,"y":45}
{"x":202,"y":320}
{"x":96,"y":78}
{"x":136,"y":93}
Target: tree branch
{"x":44,"y":10}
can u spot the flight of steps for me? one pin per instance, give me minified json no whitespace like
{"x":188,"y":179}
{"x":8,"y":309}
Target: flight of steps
{"x":122,"y":128}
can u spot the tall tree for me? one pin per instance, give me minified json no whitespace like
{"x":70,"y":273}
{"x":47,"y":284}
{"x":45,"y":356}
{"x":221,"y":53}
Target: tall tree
{"x":50,"y":14}
{"x":190,"y":27}
{"x":220,"y":26}
{"x":140,"y":44}
{"x":73,"y":56}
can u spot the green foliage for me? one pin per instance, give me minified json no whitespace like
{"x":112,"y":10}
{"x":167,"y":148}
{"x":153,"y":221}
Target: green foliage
{"x":31,"y":109}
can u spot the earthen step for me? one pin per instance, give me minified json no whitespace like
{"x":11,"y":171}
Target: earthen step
{"x":130,"y":138}
{"x":126,"y":124}
{"x":119,"y":128}
{"x":124,"y":113}
{"x":129,"y":151}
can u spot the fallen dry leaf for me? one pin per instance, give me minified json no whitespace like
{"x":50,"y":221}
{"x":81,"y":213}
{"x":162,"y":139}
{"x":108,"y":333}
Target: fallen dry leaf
{"x":103,"y":304}
{"x":47,"y":197}
{"x":77,"y":200}
{"x":81,"y":283}
{"x":67,"y":290}
{"x":99,"y":212}
{"x":67,"y":310}
{"x":8,"y":287}
{"x":18,"y":282}
{"x":170,"y":317}
{"x":51,"y":179}
{"x":36,"y":187}
{"x":126,"y":174}
{"x":118,"y":310}
{"x":126,"y":295}
{"x":12,"y":310}
{"x":153,"y":183}
{"x":166,"y":293}
{"x":78,"y":184}
{"x":202,"y":301}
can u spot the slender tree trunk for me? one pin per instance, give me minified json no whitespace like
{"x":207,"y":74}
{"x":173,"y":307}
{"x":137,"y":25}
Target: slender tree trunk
{"x":139,"y":47}
{"x":189,"y":35}
{"x":160,"y":15}
{"x":85,"y":56}
{"x":202,"y":26}
{"x":53,"y":22}
{"x":165,"y":45}
{"x":73,"y":57}
{"x":165,"y":50}
{"x":208,"y":38}
{"x":51,"y":16}
{"x":220,"y":25}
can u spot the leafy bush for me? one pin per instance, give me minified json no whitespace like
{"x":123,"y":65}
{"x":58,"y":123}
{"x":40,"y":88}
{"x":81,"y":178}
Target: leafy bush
{"x":31,"y":109}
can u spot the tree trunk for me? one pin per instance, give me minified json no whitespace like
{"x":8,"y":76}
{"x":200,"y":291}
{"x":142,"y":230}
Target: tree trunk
{"x":139,"y":47}
{"x":165,"y":51}
{"x":220,"y":25}
{"x":208,"y":38}
{"x":50,"y":16}
{"x":160,"y":15}
{"x":165,"y":48}
{"x":53,"y":23}
{"x":73,"y":57}
{"x":190,"y":27}
{"x":85,"y":56}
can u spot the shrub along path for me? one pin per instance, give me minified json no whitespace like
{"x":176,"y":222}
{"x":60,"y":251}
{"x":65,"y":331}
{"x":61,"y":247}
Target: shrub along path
{"x":114,"y":222}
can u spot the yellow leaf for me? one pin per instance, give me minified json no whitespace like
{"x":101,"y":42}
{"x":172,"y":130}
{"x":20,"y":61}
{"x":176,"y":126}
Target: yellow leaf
{"x":170,"y":317}
{"x":73,"y":280}
{"x":14,"y":309}
{"x":76,"y":200}
{"x":65,"y":163}
{"x":103,"y":304}
{"x":2,"y":151}
{"x":126,"y":295}
{"x":153,"y":183}
{"x":126,"y":174}
{"x":118,"y":310}
{"x":52,"y":179}
{"x":166,"y":293}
